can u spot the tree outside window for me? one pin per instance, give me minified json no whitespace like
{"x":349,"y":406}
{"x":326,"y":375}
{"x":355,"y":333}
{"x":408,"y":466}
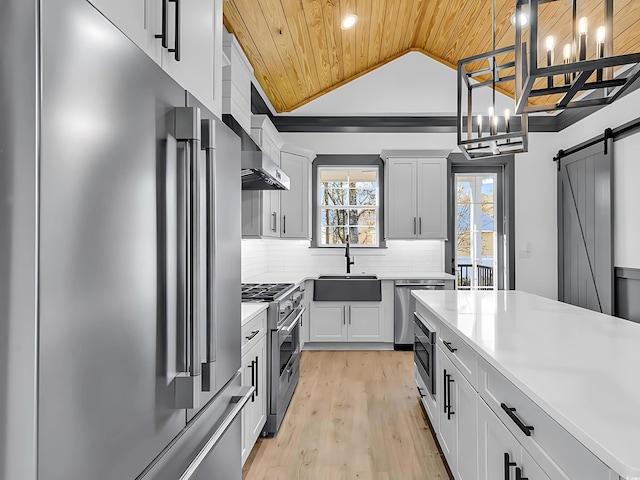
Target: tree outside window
{"x":348,"y":205}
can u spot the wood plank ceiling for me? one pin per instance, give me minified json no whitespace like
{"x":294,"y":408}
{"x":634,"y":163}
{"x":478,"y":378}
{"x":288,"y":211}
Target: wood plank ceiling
{"x":299,"y":51}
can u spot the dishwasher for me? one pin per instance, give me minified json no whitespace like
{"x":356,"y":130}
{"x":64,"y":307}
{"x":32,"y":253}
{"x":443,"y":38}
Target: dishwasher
{"x":405,"y":305}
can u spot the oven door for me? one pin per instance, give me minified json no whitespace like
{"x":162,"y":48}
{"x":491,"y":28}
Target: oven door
{"x":424,"y":351}
{"x":288,"y":352}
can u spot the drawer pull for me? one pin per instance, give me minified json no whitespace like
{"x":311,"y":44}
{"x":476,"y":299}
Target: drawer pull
{"x":420,"y":392}
{"x":519,"y":474}
{"x":448,"y":345}
{"x":253,"y":334}
{"x":526,"y":429}
{"x":507,"y":466}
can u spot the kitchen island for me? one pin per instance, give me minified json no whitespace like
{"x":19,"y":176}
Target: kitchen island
{"x":572,"y":368}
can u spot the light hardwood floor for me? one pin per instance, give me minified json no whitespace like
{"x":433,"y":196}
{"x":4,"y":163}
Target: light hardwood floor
{"x":355,"y":415}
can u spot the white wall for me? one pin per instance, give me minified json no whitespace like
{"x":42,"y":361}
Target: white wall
{"x":296,"y":256}
{"x":413,"y":84}
{"x":536,"y":235}
{"x":255,"y":258}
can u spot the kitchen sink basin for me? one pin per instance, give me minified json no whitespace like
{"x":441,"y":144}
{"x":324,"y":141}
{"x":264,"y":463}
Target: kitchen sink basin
{"x":347,"y":288}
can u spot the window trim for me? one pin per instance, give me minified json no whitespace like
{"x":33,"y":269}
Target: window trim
{"x":346,"y":161}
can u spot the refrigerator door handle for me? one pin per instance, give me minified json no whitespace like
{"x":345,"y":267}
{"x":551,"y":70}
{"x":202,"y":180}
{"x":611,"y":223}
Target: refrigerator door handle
{"x":236,"y":405}
{"x":207,"y":145}
{"x":187,"y":130}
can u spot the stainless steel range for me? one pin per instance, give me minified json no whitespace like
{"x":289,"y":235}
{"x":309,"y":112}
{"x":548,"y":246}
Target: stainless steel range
{"x":283,"y":320}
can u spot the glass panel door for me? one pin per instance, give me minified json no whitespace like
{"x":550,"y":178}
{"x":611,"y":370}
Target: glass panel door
{"x":476,"y":233}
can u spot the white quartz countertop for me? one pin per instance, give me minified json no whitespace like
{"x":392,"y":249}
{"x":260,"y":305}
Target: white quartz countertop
{"x":581,"y":367}
{"x":298,"y":278}
{"x":250,"y":310}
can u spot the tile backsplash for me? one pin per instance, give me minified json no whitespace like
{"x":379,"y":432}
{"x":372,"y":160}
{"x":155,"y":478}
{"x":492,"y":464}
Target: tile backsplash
{"x":273,"y":255}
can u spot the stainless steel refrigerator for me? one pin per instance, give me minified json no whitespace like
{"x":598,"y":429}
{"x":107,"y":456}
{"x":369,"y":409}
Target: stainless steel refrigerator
{"x":119,"y":260}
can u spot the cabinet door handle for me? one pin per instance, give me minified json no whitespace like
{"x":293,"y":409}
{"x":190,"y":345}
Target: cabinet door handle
{"x":449,"y":347}
{"x":344,"y":314}
{"x":349,"y":314}
{"x":164,"y":35}
{"x":507,"y":466}
{"x":519,"y":474}
{"x":284,"y":224}
{"x":444,"y":391}
{"x":526,"y":429}
{"x":420,"y":392}
{"x":449,"y":410}
{"x":253,"y":380}
{"x":414,"y":225}
{"x":176,"y":43}
{"x":257,"y":378}
{"x":420,"y":226}
{"x":253,"y":334}
{"x":274,"y":215}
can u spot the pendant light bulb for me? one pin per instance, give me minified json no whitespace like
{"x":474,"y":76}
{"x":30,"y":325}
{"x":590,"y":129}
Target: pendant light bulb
{"x":550,"y":42}
{"x":566,"y":52}
{"x":582,"y":26}
{"x":600,"y":34}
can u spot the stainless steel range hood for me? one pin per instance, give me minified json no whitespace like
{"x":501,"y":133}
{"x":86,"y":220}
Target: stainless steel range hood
{"x":260,"y":172}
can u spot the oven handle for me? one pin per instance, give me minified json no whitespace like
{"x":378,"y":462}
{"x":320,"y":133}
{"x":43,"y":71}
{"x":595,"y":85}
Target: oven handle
{"x":293,"y":324}
{"x":423,"y":322}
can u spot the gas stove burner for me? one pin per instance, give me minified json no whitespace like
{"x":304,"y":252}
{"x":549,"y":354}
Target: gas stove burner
{"x":263,"y":292}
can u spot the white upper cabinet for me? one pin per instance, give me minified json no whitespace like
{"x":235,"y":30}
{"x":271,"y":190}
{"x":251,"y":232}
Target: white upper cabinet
{"x":416,"y":198}
{"x":295,"y":203}
{"x":139,"y":20}
{"x":401,"y":215}
{"x":183,"y":36}
{"x":189,"y":59}
{"x":236,"y":83}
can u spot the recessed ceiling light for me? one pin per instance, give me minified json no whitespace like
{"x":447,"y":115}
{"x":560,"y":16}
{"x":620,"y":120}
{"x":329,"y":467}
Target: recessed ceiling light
{"x":524,"y":19}
{"x":349,"y":21}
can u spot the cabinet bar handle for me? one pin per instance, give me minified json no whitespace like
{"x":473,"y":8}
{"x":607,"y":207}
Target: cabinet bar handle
{"x":449,"y":410}
{"x":164,"y":35}
{"x":519,"y":474}
{"x":507,"y":466}
{"x":420,"y":225}
{"x":420,"y":392}
{"x":526,"y":429}
{"x":176,"y":44}
{"x":414,"y":225}
{"x":449,"y":347}
{"x":274,"y":215}
{"x":344,"y":314}
{"x":257,"y":378}
{"x":349,"y":314}
{"x":444,"y":391}
{"x":284,"y":224}
{"x":253,"y":334}
{"x":253,"y":379}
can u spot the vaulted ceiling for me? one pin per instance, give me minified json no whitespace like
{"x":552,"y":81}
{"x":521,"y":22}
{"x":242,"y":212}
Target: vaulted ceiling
{"x":299,"y":51}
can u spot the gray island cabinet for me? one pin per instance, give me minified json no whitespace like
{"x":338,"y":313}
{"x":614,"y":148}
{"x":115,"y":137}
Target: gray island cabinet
{"x":531,"y":388}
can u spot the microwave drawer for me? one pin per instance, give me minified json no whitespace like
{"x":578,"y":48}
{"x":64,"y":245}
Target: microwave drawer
{"x":551,"y":446}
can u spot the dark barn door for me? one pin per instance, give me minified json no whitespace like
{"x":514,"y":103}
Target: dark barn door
{"x":585,"y":229}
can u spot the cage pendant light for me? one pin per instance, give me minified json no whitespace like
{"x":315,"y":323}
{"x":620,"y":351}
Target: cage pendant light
{"x":586,"y":74}
{"x":481,"y":135}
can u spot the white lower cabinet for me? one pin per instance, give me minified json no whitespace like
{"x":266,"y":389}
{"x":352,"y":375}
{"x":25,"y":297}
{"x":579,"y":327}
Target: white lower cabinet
{"x":346,"y":322}
{"x":254,"y":373}
{"x":500,"y":455}
{"x":458,"y":420}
